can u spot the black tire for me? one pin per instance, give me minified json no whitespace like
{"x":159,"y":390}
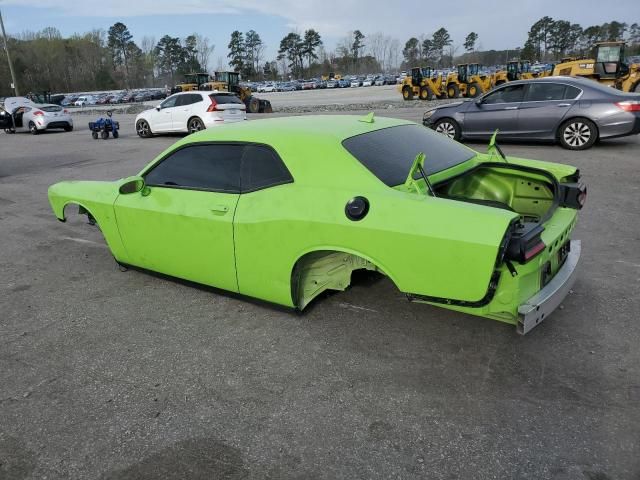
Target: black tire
{"x":143,"y":129}
{"x":577,"y":134}
{"x":69,"y":128}
{"x":94,"y":135}
{"x":407,"y":92}
{"x":194,"y":125}
{"x":253,"y":105}
{"x":453,"y":91}
{"x":116,"y":134}
{"x":104,"y":134}
{"x":426,"y":93}
{"x":474,"y":90}
{"x":33,"y":129}
{"x":448,"y":127}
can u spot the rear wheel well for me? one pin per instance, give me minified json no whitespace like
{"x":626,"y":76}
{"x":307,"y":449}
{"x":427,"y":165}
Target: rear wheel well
{"x":321,"y":270}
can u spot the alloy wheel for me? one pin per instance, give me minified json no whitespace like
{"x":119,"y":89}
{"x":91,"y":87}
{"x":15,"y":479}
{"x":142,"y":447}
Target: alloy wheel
{"x":577,"y":134}
{"x":143,"y":129}
{"x":447,"y":129}
{"x":195,"y":125}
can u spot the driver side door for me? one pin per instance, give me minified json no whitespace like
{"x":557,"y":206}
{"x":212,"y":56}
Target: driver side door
{"x":496,"y":110}
{"x":181,"y":223}
{"x":162,"y":120}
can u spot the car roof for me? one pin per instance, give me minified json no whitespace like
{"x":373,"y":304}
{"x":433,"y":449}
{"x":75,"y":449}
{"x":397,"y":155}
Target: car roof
{"x":272,"y":130}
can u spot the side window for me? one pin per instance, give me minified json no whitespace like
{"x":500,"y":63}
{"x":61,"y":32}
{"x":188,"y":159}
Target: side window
{"x":169,"y":102}
{"x":182,"y":100}
{"x":540,"y":92}
{"x":508,"y":94}
{"x":200,"y":167}
{"x":195,"y":98}
{"x":571,"y":93}
{"x":262,"y":168}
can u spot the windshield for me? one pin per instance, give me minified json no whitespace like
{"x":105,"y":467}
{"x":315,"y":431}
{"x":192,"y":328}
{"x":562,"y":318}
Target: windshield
{"x":388,"y":153}
{"x":608,"y":54}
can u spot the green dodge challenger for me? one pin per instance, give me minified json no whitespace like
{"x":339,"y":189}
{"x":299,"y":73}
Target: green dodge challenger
{"x":286,"y":208}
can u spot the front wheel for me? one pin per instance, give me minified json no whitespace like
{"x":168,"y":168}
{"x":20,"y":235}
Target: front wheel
{"x":448,"y":128}
{"x":195,"y":125}
{"x":68,"y":128}
{"x":577,"y":134}
{"x":142,"y":129}
{"x":104,"y":134}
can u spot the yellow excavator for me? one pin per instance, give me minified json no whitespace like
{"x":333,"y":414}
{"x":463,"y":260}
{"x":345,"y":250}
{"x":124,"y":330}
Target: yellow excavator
{"x":423,"y":83}
{"x":607,"y":67}
{"x":224,"y":82}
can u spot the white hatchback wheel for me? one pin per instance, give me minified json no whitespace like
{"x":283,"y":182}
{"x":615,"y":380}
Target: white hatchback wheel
{"x":446,"y":128}
{"x":195,"y":125}
{"x":577,"y":134}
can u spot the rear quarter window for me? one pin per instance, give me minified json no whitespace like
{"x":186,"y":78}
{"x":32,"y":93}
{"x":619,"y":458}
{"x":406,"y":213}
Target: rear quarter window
{"x":389,"y":152}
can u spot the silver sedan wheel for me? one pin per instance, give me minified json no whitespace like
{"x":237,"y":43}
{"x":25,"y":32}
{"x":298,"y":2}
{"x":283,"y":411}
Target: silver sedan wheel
{"x":195,"y":125}
{"x":143,"y":128}
{"x":577,"y":134}
{"x":447,"y":129}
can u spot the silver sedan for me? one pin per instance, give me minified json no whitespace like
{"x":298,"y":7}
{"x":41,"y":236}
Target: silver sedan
{"x":21,"y":114}
{"x":574,"y":112}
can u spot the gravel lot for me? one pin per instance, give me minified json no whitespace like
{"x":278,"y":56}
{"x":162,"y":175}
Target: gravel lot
{"x":123,"y":375}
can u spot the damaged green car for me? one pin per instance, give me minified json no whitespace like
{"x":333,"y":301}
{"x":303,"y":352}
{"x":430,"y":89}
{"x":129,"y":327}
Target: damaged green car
{"x":284,"y":209}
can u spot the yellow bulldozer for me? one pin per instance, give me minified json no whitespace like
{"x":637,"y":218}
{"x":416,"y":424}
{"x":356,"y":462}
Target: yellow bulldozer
{"x":423,"y":83}
{"x":224,"y":82}
{"x":469,"y":81}
{"x":607,"y":67}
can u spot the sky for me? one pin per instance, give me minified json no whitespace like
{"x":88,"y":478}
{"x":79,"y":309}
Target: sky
{"x":500,"y":24}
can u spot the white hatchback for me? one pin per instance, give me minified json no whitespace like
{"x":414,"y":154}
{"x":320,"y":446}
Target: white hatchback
{"x":191,"y":112}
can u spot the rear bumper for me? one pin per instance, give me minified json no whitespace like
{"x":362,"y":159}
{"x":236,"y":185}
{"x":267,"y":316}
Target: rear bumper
{"x":542,"y":304}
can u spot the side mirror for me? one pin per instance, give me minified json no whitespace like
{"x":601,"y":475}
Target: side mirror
{"x":131,"y":185}
{"x":479,"y":101}
{"x":158,"y":107}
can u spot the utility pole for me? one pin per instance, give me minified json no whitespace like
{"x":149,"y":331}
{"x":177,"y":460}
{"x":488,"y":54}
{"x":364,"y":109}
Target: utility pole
{"x":6,"y":49}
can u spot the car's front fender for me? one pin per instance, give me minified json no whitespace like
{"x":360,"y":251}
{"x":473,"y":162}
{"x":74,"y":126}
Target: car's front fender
{"x":96,"y":198}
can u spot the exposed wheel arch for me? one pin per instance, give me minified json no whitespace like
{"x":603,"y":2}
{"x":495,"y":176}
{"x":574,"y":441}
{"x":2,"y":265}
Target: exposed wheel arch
{"x":82,"y":210}
{"x":322,"y":269}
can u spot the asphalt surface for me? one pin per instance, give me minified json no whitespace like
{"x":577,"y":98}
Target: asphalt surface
{"x":128,"y":375}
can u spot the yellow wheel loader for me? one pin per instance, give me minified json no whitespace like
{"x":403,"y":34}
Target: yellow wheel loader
{"x":192,"y":81}
{"x":422,"y":83}
{"x":607,"y":67}
{"x":230,"y":82}
{"x":476,"y":83}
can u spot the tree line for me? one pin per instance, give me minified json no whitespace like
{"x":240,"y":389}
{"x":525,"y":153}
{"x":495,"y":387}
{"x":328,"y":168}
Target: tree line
{"x":101,"y":60}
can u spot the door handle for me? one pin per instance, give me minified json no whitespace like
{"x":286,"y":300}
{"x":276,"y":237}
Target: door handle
{"x":510,"y":108}
{"x":564,"y":105}
{"x":220,"y":209}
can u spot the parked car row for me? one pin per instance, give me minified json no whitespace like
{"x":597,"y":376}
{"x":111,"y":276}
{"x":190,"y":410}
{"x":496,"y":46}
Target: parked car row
{"x":110,"y":98}
{"x":318,"y":83}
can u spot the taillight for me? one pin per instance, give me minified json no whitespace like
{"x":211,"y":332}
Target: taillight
{"x":214,"y":105}
{"x":573,"y":195}
{"x":525,"y":242}
{"x":38,"y":112}
{"x":629,"y":105}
